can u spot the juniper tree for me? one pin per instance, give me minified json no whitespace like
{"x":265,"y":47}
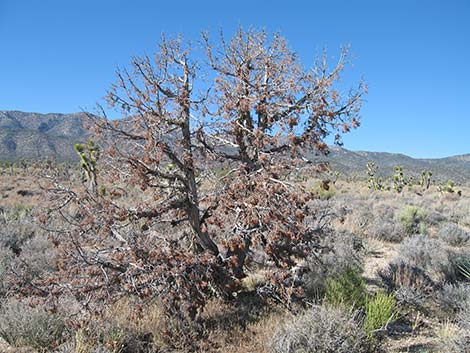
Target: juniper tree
{"x":250,"y":104}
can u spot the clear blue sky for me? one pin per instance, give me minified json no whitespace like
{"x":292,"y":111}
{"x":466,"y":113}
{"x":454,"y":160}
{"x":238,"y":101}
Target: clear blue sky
{"x":60,"y":56}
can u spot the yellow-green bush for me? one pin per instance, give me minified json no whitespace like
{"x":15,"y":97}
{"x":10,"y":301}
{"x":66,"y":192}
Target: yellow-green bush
{"x":379,"y":311}
{"x":346,"y":289}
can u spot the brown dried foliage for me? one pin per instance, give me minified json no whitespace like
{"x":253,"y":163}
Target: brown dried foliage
{"x":249,"y":104}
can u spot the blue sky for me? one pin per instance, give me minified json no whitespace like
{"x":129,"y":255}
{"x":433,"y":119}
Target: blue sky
{"x":60,"y":56}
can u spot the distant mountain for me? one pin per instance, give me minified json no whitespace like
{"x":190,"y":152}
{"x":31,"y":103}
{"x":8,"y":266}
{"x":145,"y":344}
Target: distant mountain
{"x":40,"y":136}
{"x":52,"y":136}
{"x":354,"y":163}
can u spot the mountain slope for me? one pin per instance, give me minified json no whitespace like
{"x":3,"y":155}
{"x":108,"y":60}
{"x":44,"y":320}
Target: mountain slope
{"x":41,"y":136}
{"x":348,"y":162}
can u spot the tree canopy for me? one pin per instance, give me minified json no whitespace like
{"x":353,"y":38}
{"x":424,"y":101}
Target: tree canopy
{"x":211,"y":134}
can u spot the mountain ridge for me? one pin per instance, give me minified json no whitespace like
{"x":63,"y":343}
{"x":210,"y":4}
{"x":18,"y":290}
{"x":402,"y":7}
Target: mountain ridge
{"x":33,"y":136}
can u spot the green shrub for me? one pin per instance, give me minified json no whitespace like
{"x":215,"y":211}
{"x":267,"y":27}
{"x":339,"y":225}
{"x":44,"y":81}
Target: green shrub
{"x":449,"y":186}
{"x":346,"y":289}
{"x":413,"y":219}
{"x":379,"y":311}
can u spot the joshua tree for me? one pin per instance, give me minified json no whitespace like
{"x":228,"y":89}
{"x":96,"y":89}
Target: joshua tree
{"x":399,"y":180}
{"x":89,"y":154}
{"x":425,"y":181}
{"x":374,"y":181}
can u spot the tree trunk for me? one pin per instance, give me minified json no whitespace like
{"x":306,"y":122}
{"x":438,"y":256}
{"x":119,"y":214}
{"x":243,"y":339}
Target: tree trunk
{"x":194,"y":214}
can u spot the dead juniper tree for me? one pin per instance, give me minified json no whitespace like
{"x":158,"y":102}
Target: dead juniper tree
{"x":268,"y":111}
{"x":249,"y":103}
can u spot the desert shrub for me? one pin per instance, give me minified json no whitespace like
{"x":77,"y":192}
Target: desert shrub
{"x":362,"y":216}
{"x":459,"y":343}
{"x":6,"y":257}
{"x":464,"y":204}
{"x":435,"y":218}
{"x":384,"y":212}
{"x":321,"y":330}
{"x":413,"y":219}
{"x":18,"y":211}
{"x":410,"y":297}
{"x":38,"y":256}
{"x":346,"y":289}
{"x":25,"y":325}
{"x":449,"y":186}
{"x":428,"y":254}
{"x":463,"y":317}
{"x":346,"y":252}
{"x":452,"y":339}
{"x":453,"y":235}
{"x":386,"y":230}
{"x":461,"y":264}
{"x":72,"y":347}
{"x":453,"y":297}
{"x":15,"y":229}
{"x":324,"y":191}
{"x":399,"y":274}
{"x":342,"y":251}
{"x":379,"y":312}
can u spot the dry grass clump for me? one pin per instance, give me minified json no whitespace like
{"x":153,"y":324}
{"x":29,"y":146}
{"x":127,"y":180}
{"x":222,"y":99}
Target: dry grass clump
{"x":463,"y":317}
{"x":322,"y":330}
{"x":453,"y":339}
{"x":130,"y":325}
